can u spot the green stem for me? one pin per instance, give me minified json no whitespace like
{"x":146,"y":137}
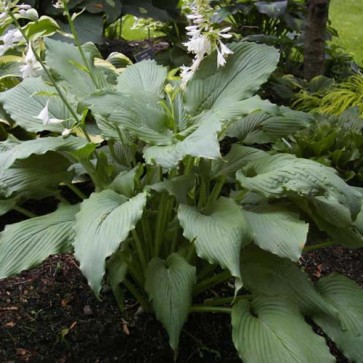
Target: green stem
{"x":62,"y":199}
{"x":76,"y":191}
{"x":113,"y":152}
{"x":225,"y":300}
{"x":188,"y":165}
{"x":203,"y":193}
{"x":24,"y":211}
{"x":78,"y":43}
{"x":317,"y":246}
{"x":139,"y":249}
{"x":216,"y":191}
{"x":136,"y":274}
{"x":137,"y":295}
{"x":163,"y":213}
{"x":210,"y":282}
{"x":210,"y":309}
{"x":146,"y":231}
{"x":49,"y":75}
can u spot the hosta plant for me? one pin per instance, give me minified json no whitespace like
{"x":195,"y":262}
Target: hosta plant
{"x":173,"y":214}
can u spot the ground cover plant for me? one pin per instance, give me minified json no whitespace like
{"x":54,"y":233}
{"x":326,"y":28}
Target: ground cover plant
{"x":172,"y":214}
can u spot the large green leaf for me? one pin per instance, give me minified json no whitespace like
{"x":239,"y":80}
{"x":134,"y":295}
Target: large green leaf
{"x":277,"y":229}
{"x":347,"y":330}
{"x":218,"y":234}
{"x":203,"y":143}
{"x":169,"y":285}
{"x":271,"y":330}
{"x":240,"y":78}
{"x":25,"y":101}
{"x":104,"y":221}
{"x":66,"y":60}
{"x":23,"y":149}
{"x":266,"y":274}
{"x":284,"y":175}
{"x":145,"y":77}
{"x":38,"y":175}
{"x":137,"y":114}
{"x":26,"y":244}
{"x":265,"y":127}
{"x":88,"y":27}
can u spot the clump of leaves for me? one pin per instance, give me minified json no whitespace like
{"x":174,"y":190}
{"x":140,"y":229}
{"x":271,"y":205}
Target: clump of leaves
{"x":170,"y":217}
{"x":332,"y":98}
{"x":335,"y":141}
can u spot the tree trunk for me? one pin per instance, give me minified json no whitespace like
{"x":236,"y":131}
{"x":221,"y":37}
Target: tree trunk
{"x":314,"y":39}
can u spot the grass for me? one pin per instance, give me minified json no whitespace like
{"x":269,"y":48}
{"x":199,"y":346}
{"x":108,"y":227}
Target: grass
{"x":347,"y":17}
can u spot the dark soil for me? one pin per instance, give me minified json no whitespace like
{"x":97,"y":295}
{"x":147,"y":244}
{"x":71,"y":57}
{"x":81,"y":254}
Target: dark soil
{"x":49,"y":314}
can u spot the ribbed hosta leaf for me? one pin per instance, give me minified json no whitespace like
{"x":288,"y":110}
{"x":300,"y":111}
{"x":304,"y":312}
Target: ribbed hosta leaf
{"x":278,"y":230}
{"x":66,"y":60}
{"x":23,"y":149}
{"x":104,"y":221}
{"x":24,"y":103}
{"x":347,"y":330}
{"x":284,"y":175}
{"x":38,"y":175}
{"x":203,"y":143}
{"x":218,"y":235}
{"x":169,"y":285}
{"x":266,"y":274}
{"x":139,"y":115}
{"x":28,"y":243}
{"x":264,"y":127}
{"x":271,"y":330}
{"x":240,"y":78}
{"x":143,"y":77}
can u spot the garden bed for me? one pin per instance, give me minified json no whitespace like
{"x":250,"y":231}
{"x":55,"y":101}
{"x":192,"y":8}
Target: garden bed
{"x":49,"y":314}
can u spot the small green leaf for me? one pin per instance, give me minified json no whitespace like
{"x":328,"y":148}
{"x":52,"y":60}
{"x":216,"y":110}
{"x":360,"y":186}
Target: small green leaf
{"x":169,"y":285}
{"x":44,"y":26}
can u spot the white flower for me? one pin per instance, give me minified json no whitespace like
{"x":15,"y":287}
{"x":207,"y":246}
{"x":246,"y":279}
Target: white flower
{"x":66,"y":132}
{"x":24,"y":7}
{"x":222,"y":52}
{"x":200,"y":45}
{"x":203,"y":38}
{"x":31,"y":64}
{"x":11,"y":37}
{"x":44,"y":116}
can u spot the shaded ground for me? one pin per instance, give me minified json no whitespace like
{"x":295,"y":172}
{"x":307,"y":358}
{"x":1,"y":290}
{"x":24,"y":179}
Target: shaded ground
{"x":49,"y":314}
